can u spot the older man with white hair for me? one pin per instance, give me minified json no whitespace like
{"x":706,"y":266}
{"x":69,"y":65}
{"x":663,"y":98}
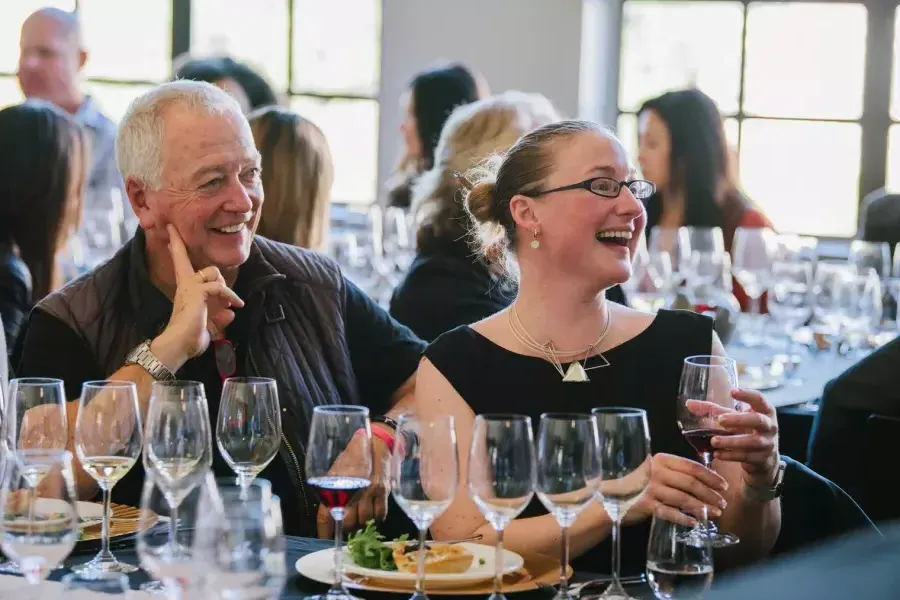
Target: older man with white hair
{"x":196,"y":296}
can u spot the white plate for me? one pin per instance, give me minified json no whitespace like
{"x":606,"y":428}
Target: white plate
{"x":319,"y":566}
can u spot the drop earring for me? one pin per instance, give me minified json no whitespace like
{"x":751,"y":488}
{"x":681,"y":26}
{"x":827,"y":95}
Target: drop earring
{"x":535,"y":243}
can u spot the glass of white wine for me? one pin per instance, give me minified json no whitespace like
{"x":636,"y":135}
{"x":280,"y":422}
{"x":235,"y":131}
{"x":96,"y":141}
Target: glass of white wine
{"x":676,"y":568}
{"x":108,"y":441}
{"x":248,"y":427}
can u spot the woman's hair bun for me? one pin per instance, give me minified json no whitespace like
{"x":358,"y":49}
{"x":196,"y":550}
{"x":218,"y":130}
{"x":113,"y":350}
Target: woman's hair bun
{"x":480,"y":201}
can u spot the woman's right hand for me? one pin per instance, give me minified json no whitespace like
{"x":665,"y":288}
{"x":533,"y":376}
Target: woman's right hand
{"x":680,"y":487}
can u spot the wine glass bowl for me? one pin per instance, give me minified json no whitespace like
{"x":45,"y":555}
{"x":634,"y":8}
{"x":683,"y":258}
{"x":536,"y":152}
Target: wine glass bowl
{"x":248,"y":427}
{"x":676,"y":569}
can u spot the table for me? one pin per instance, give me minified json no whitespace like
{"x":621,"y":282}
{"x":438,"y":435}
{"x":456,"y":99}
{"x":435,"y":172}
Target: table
{"x":297,"y":586}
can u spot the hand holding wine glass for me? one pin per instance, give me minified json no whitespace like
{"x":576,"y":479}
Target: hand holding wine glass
{"x":248,"y":428}
{"x":338,"y":476}
{"x":108,"y":441}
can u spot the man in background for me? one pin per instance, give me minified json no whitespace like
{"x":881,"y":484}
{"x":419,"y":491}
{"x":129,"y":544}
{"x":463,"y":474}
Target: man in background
{"x":51,"y":57}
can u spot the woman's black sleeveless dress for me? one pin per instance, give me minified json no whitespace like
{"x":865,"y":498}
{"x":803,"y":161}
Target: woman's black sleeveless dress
{"x":643,"y":373}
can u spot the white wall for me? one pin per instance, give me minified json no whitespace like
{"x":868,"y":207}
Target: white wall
{"x":529,"y":45}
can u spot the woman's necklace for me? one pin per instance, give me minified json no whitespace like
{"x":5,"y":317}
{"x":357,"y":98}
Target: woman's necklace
{"x":577,"y":371}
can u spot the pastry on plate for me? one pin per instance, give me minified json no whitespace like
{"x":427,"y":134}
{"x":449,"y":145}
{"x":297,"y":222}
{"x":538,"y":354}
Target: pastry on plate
{"x":439,"y":558}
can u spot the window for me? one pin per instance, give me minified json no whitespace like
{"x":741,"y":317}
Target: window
{"x":325,"y":56}
{"x":793,"y":98}
{"x":893,"y":157}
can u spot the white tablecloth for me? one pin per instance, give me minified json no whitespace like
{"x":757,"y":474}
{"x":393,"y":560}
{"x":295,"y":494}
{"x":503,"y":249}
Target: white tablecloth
{"x":15,"y":588}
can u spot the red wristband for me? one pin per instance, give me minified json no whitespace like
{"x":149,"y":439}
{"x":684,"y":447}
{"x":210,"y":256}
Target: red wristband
{"x":384,"y":435}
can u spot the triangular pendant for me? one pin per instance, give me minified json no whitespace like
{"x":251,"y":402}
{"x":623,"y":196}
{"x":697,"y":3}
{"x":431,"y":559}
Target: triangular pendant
{"x":576,"y":373}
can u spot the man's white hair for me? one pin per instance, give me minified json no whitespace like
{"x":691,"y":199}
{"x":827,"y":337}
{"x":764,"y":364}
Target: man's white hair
{"x":140,"y":138}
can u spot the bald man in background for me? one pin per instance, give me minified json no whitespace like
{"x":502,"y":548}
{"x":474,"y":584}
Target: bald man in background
{"x":51,"y":57}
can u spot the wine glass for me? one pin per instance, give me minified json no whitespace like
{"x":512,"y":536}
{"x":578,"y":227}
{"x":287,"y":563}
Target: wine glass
{"x":77,"y":586}
{"x":675,"y":241}
{"x":870,"y":255}
{"x":676,"y":570}
{"x":623,"y":452}
{"x":704,"y":393}
{"x":168,"y":556}
{"x":568,"y":472}
{"x":651,"y":279}
{"x":339,"y":466}
{"x":178,"y":449}
{"x":501,"y":476}
{"x":108,"y":441}
{"x":790,"y":303}
{"x":40,"y":524}
{"x":752,"y":254}
{"x":241,"y":545}
{"x":828,"y":274}
{"x":36,"y":414}
{"x":34,"y":417}
{"x":424,"y":476}
{"x":248,"y":428}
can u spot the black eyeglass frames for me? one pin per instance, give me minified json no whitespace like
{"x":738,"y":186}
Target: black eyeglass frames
{"x":607,"y":188}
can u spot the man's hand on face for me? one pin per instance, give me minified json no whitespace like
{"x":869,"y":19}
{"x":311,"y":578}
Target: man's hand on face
{"x":201,"y":311}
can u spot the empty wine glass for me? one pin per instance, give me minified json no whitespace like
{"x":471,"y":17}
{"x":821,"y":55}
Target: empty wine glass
{"x":676,"y":570}
{"x":623,"y":452}
{"x":168,"y":556}
{"x":704,"y":393}
{"x":870,"y":255}
{"x":178,"y":450}
{"x":752,"y":254}
{"x":790,"y":304}
{"x":77,"y":586}
{"x":828,"y":275}
{"x":40,"y":524}
{"x":651,"y":279}
{"x":568,"y":472}
{"x":241,"y":544}
{"x":501,"y":476}
{"x":248,"y":428}
{"x":108,"y":441}
{"x":675,"y":241}
{"x":339,"y":466}
{"x":36,"y":414}
{"x":424,"y":476}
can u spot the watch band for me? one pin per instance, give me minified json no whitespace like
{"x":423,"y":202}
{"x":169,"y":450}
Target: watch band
{"x":770,"y":493}
{"x":385,"y":421}
{"x":143,"y":357}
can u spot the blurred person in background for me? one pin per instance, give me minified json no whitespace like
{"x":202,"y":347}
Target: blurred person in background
{"x":297,"y":173}
{"x":249,"y":88}
{"x":683,"y":150}
{"x":428,"y":101}
{"x":43,"y":171}
{"x":52,"y":55}
{"x":448,"y":284}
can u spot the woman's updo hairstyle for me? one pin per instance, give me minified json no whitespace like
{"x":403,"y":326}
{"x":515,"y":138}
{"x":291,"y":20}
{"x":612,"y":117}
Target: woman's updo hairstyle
{"x":520,"y":170}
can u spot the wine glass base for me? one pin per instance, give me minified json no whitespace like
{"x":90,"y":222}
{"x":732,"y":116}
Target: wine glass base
{"x":334,"y":595}
{"x":97,"y":568}
{"x":9,"y":567}
{"x":611,"y":594}
{"x":154,"y":588}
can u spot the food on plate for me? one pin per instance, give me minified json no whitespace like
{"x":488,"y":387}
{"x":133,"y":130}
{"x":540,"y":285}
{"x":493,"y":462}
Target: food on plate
{"x":368,"y":549}
{"x":439,"y":558}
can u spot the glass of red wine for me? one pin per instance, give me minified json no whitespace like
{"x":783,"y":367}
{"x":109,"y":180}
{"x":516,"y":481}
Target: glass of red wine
{"x":704,"y":393}
{"x":339,"y":467}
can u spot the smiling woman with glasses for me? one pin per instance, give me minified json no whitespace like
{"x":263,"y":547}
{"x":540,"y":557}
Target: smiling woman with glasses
{"x":563,"y":343}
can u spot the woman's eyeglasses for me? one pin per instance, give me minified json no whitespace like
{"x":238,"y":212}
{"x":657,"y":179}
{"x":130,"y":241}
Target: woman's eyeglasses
{"x":607,"y":188}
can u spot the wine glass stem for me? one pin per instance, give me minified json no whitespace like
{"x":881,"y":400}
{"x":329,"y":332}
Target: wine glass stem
{"x":616,"y":554}
{"x":173,"y":528}
{"x":564,"y":562}
{"x":498,"y":563}
{"x":420,"y":565}
{"x":338,"y":516}
{"x":105,"y":554}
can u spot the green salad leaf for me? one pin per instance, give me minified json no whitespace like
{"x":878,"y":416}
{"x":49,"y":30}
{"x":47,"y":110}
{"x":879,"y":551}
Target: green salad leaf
{"x":368,"y":549}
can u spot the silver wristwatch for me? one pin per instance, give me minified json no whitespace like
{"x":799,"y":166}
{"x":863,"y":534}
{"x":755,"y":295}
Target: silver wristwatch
{"x":770,"y":493}
{"x":144,"y":358}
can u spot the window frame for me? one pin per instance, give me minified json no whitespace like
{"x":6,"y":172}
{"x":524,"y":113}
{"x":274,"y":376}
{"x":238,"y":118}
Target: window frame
{"x":875,"y":119}
{"x":181,"y":43}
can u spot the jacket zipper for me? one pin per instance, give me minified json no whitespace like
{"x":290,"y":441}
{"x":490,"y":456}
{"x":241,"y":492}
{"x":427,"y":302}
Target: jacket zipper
{"x":286,"y":443}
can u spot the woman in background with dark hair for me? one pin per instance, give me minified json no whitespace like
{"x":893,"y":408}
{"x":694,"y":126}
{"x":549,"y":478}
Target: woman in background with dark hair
{"x":431,"y":97}
{"x":683,"y":150}
{"x":43,"y":162}
{"x":249,"y":88}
